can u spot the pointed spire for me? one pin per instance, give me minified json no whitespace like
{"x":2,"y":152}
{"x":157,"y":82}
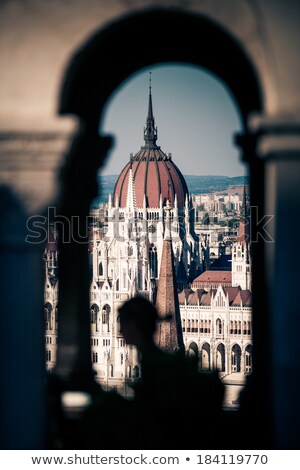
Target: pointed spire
{"x":131,"y":201}
{"x":150,"y":131}
{"x":169,"y":334}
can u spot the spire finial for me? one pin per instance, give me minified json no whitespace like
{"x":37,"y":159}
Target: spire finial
{"x":150,"y":131}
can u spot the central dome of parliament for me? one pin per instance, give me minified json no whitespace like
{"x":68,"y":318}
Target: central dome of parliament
{"x":155,"y":174}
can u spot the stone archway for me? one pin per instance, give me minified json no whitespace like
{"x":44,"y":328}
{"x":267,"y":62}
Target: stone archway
{"x":236,"y":355}
{"x":206,"y":357}
{"x":220,"y":357}
{"x":94,"y":73}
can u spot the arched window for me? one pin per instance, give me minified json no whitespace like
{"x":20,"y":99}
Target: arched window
{"x":48,"y":316}
{"x":48,"y":355}
{"x":248,"y":358}
{"x":106,"y":317}
{"x":205,"y":357}
{"x":221,"y":357}
{"x":100,"y":269}
{"x":111,"y":370}
{"x":153,"y":261}
{"x":94,"y":313}
{"x":121,"y":358}
{"x":236,"y":354}
{"x":94,"y":357}
{"x":136,"y":372}
{"x":219,"y":326}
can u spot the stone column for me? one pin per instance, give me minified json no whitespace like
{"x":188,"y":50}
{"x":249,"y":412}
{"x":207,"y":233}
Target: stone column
{"x":273,"y":152}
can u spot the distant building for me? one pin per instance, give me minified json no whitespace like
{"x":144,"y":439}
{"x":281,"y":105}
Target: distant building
{"x":143,"y":242}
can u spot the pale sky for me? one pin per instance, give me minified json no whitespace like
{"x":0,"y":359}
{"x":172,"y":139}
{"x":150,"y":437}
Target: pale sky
{"x":195,"y":115}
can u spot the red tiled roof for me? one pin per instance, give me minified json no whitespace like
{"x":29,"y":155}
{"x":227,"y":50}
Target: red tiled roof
{"x":232,"y":293}
{"x":244,"y":297}
{"x":154,"y":173}
{"x":213,"y":277}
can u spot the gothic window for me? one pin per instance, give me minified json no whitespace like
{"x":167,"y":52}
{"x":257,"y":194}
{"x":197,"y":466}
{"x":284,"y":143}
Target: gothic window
{"x":94,"y":357}
{"x":48,"y":355}
{"x":48,"y":316}
{"x":100,"y":269}
{"x":239,"y":328}
{"x":118,"y":324}
{"x":183,"y":325}
{"x":140,"y":279}
{"x":248,"y":358}
{"x":130,"y":251}
{"x":94,"y":312}
{"x":188,"y":326}
{"x":121,"y":359}
{"x":111,"y":370}
{"x":153,"y":261}
{"x":219,"y":326}
{"x":236,"y":358}
{"x":129,"y":372}
{"x":105,"y":316}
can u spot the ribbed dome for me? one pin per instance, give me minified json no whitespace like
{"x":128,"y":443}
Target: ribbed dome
{"x":153,"y":171}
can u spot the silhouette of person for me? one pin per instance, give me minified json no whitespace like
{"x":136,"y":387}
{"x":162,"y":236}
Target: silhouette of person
{"x":172,"y":400}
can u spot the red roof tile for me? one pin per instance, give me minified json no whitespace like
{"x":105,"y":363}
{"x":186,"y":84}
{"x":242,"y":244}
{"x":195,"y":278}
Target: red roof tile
{"x":212,"y":278}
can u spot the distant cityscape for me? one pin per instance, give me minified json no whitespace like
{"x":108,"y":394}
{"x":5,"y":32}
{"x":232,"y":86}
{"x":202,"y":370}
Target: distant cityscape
{"x":183,"y":244}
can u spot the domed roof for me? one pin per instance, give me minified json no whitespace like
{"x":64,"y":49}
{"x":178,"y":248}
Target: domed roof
{"x":154,"y":173}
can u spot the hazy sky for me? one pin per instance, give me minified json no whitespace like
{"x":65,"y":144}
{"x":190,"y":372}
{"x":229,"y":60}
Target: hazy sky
{"x":195,"y":115}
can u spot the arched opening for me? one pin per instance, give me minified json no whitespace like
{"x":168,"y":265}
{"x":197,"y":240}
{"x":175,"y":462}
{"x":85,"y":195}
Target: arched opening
{"x":94,"y":314}
{"x":236,"y":355}
{"x":100,"y":269}
{"x":153,"y":261}
{"x":106,"y":318}
{"x":220,"y":360}
{"x":193,"y":351}
{"x":48,"y":316}
{"x":248,"y":358}
{"x":89,"y":85}
{"x":219,"y":327}
{"x":205,"y":357}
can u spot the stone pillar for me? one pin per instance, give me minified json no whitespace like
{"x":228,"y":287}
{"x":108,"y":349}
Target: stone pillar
{"x":78,"y":188}
{"x":273,"y":152}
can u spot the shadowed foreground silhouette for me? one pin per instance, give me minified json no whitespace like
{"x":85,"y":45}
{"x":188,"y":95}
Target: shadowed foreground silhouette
{"x":175,"y":406}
